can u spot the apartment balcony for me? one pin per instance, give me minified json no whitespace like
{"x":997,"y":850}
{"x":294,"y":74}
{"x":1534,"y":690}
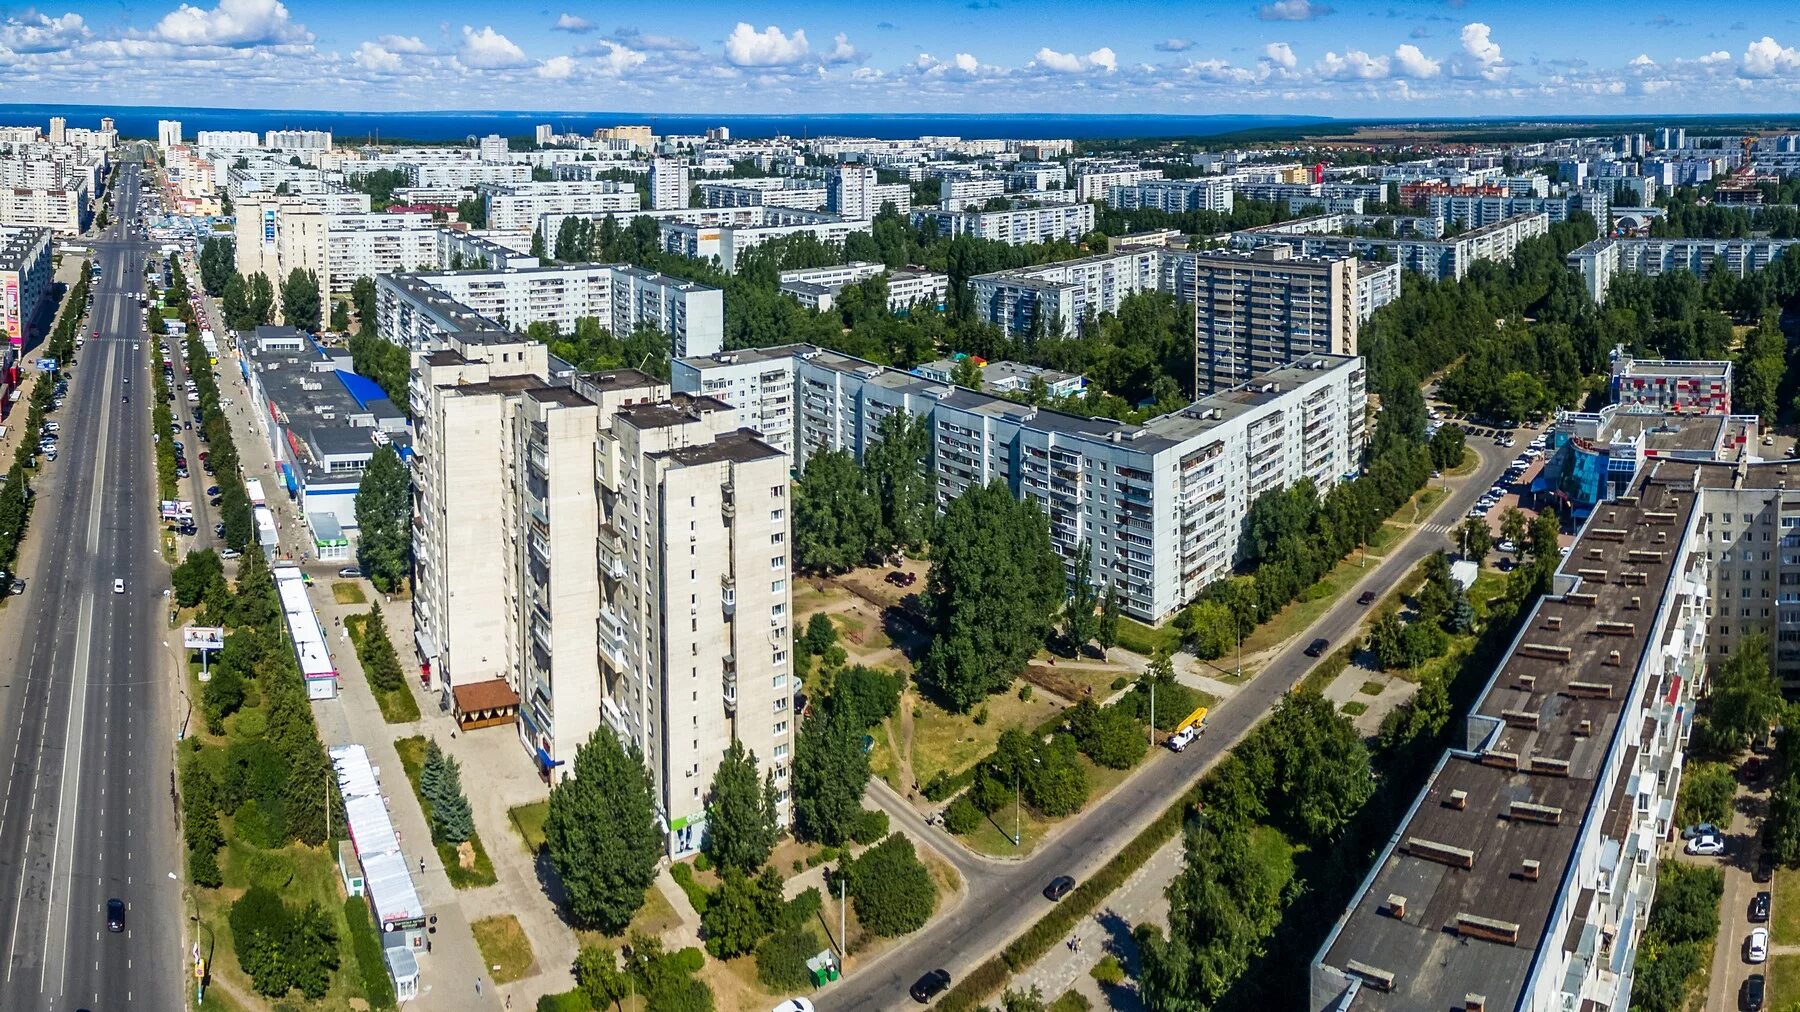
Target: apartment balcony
{"x":612,"y":637}
{"x":612,"y":553}
{"x":730,"y":687}
{"x":728,"y":595}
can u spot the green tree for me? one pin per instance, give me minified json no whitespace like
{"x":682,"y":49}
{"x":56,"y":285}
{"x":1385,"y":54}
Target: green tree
{"x":820,"y":634}
{"x":1313,"y":765}
{"x":867,"y":696}
{"x":733,"y":922}
{"x":599,"y":977}
{"x":830,"y":773}
{"x":235,"y":304}
{"x":384,"y":513}
{"x":995,"y":581}
{"x":601,"y":833}
{"x":1110,"y":735}
{"x":1108,"y":634}
{"x":197,"y":576}
{"x":1474,"y":537}
{"x":362,"y":297}
{"x":451,"y":820}
{"x":1080,"y":623}
{"x":892,"y":890}
{"x":740,"y":823}
{"x":340,"y":316}
{"x":1707,"y":790}
{"x":1211,"y":629}
{"x":301,"y":303}
{"x":1745,"y":699}
{"x":898,"y":478}
{"x":1447,"y":447}
{"x":1513,"y":528}
{"x":261,"y":299}
{"x":1781,"y":830}
{"x":835,"y":519}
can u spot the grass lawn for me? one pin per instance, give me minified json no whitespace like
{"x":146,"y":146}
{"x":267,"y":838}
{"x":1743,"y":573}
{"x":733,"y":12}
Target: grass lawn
{"x":952,"y":742}
{"x":1385,"y":537}
{"x":528,"y":821}
{"x":1292,"y":620}
{"x":1071,"y":1001}
{"x":1371,"y":688}
{"x":996,"y":840}
{"x":1139,"y":638}
{"x":397,"y":705}
{"x":653,"y":918}
{"x":504,"y":947}
{"x":346,"y":592}
{"x":1354,"y":708}
{"x":1470,"y":459}
{"x":860,"y":634}
{"x":1784,"y":923}
{"x":1784,"y":982}
{"x":299,"y":874}
{"x":481,"y":872}
{"x":884,"y":758}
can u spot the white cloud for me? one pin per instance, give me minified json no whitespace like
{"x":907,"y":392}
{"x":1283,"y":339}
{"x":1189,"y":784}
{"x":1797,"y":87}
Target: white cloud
{"x":489,"y":50}
{"x":1410,"y":62}
{"x":1175,"y":45}
{"x":746,"y":47}
{"x":1069,"y":63}
{"x":1767,"y":58}
{"x":403,"y":44}
{"x":655,"y":43}
{"x":234,"y":23}
{"x":842,"y":51}
{"x":618,"y":59}
{"x":1292,"y":10}
{"x":1281,"y":54}
{"x":375,"y":58}
{"x":1642,"y":60}
{"x":1354,"y":65}
{"x":1714,"y":58}
{"x":960,"y":65}
{"x":567,"y":22}
{"x":556,"y":68}
{"x":866,"y":74}
{"x":1484,"y":59}
{"x":32,"y":32}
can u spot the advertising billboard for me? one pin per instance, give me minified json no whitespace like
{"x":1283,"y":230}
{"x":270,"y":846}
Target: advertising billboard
{"x":15,"y":329}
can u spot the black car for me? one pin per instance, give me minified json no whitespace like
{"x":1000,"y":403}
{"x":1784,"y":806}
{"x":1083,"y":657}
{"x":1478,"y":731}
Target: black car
{"x":1317,"y":647}
{"x":1058,"y":888}
{"x":1759,"y":908}
{"x":1753,"y":992}
{"x":930,"y":986}
{"x":115,"y":915}
{"x":1366,"y":598}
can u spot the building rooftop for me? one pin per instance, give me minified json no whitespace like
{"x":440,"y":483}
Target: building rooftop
{"x":1667,"y":433}
{"x":619,"y":379}
{"x":326,"y":408}
{"x":566,"y":396}
{"x":738,"y":447}
{"x":1663,"y":367}
{"x":1538,"y":742}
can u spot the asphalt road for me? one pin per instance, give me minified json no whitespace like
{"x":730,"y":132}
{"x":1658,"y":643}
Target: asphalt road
{"x":1004,"y":899}
{"x":86,"y":813}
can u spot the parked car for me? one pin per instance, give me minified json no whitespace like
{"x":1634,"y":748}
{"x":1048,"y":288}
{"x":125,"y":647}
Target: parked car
{"x":350,"y":572}
{"x":1700,"y":829}
{"x":1061,"y":884}
{"x":1759,"y":907}
{"x":1705,"y":846}
{"x":1752,"y":995}
{"x":930,"y":986}
{"x":1756,"y":947}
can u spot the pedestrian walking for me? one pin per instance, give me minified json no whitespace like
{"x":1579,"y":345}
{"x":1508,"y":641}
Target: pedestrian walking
{"x":421,"y":864}
{"x":477,"y":987}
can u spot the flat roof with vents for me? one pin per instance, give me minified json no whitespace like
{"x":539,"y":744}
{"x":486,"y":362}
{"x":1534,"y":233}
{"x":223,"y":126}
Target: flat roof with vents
{"x":1540,"y":732}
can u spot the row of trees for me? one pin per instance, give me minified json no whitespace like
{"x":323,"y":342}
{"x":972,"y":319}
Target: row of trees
{"x":384,"y":514}
{"x":16,"y":493}
{"x":214,"y":428}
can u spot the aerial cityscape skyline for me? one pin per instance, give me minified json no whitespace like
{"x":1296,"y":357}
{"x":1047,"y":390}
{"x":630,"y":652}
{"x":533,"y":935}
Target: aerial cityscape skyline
{"x":1353,"y":57}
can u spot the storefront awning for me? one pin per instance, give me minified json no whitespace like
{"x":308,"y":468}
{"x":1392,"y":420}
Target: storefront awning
{"x":427,"y":648}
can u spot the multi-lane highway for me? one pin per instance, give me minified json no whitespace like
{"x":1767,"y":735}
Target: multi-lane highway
{"x":86,"y":718}
{"x":1004,"y":899}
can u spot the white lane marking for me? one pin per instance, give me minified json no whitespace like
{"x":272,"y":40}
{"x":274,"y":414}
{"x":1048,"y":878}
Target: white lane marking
{"x":69,"y":804}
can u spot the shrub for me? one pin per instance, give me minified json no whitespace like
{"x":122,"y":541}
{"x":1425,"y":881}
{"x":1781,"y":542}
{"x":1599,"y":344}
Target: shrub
{"x":696,"y":893}
{"x":869,"y":694}
{"x":1025,"y":693}
{"x":892,"y":890}
{"x":567,"y":1001}
{"x":981,"y":716}
{"x":869,"y":826}
{"x":1108,"y":971}
{"x":1120,"y":682}
{"x":781,"y":959}
{"x":962,"y":817}
{"x":255,"y":827}
{"x":688,"y":961}
{"x":939,"y":786}
{"x":702,"y":862}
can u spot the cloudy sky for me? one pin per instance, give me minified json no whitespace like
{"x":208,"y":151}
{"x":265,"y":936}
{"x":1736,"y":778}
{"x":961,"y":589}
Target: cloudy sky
{"x":1330,"y":57}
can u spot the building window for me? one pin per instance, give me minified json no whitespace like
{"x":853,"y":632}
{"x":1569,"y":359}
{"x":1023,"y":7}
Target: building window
{"x":778,"y":586}
{"x":776,"y":515}
{"x":778,"y":562}
{"x":780,"y":727}
{"x":776,"y":538}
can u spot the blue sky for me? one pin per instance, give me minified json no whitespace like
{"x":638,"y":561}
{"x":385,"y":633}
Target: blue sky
{"x":1399,"y":58}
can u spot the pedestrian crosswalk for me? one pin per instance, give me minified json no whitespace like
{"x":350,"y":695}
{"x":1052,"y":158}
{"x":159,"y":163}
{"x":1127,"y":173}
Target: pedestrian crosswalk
{"x":1437,"y":528}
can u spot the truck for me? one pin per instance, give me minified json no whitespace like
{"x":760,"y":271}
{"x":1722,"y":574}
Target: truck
{"x":1190,"y":728}
{"x":253,"y":490}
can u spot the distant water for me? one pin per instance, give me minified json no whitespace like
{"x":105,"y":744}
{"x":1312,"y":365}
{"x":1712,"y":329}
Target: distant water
{"x":140,"y":121}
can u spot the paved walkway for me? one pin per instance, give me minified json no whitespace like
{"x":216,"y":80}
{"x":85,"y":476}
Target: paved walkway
{"x":1743,"y":847}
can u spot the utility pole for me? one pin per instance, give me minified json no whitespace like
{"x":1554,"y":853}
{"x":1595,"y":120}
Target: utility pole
{"x":1017,"y":808}
{"x":843,"y":930}
{"x":1152,"y":728}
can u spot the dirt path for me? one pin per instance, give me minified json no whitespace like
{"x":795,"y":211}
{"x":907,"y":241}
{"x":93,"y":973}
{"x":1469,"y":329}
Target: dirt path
{"x":904,"y":746}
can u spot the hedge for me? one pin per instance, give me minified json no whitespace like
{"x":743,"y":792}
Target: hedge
{"x":364,"y":942}
{"x":567,"y":1001}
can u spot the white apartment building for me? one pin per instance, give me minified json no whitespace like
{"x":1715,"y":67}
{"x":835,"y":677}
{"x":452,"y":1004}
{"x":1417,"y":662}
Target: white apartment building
{"x":168,"y":133}
{"x":1018,"y":226}
{"x":629,"y":556}
{"x":1060,"y":297}
{"x":959,"y":192}
{"x":725,"y":243}
{"x":279,"y":234}
{"x":852,"y":191}
{"x":1524,"y":873}
{"x":668,"y":184}
{"x":620,"y":296}
{"x":1377,"y":284}
{"x":50,"y":186}
{"x":227,"y":140}
{"x":756,"y":192}
{"x":1174,"y":196}
{"x":817,"y":288}
{"x":1600,"y":261}
{"x":26,"y":273}
{"x":1095,"y":185}
{"x":297,"y":140}
{"x":1424,"y":251}
{"x":1162,"y":503}
{"x":516,"y":207}
{"x":460,"y":250}
{"x":491,"y":148}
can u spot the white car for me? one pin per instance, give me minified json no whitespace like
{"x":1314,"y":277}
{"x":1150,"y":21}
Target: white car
{"x":1756,"y":947}
{"x":1706,"y":846}
{"x":118,"y":586}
